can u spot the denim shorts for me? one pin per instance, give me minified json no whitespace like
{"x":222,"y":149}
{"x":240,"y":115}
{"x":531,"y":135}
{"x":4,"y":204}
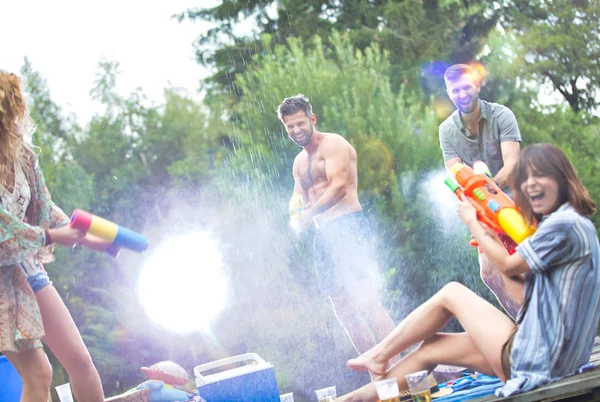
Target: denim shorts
{"x":36,"y":275}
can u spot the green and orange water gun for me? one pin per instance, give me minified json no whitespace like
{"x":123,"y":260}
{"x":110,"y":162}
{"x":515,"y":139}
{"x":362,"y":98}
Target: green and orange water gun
{"x":494,"y":207}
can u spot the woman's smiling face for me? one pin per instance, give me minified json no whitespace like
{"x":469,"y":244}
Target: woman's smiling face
{"x":542,"y":191}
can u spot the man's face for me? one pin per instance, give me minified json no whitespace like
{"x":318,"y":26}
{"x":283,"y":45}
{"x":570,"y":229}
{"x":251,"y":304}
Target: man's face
{"x":299,"y":127}
{"x":464,"y":93}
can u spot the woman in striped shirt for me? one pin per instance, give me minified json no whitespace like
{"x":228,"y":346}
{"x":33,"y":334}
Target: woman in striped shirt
{"x":556,"y":326}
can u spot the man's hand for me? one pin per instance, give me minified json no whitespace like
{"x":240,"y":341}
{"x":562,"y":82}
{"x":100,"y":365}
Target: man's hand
{"x":306,"y":218}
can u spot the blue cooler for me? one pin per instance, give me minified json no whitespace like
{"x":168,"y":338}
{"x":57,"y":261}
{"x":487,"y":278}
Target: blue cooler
{"x":253,"y":382}
{"x":10,"y":382}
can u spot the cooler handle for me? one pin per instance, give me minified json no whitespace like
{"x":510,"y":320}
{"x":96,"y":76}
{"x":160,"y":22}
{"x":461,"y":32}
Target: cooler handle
{"x":228,"y":360}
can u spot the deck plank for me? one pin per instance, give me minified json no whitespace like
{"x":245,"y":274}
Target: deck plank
{"x":586,"y":385}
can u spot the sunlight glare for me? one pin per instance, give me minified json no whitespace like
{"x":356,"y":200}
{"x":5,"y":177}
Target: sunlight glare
{"x":182,"y":286}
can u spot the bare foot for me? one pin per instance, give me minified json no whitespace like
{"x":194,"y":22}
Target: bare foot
{"x":367,"y":362}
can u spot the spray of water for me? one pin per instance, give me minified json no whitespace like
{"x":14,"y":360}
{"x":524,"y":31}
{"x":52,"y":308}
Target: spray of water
{"x":442,"y":203}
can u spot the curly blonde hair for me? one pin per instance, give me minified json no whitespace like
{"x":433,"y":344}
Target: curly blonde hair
{"x":14,"y":148}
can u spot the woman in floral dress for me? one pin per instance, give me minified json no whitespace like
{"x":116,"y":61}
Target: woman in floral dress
{"x":31,"y":309}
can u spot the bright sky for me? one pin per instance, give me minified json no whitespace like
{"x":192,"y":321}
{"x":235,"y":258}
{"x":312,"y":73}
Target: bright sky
{"x":65,"y":40}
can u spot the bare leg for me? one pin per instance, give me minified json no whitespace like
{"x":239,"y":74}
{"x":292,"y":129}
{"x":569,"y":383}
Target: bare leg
{"x":354,"y":323}
{"x":35,"y":371}
{"x":63,"y":338}
{"x":439,"y":349}
{"x":488,"y":328}
{"x":365,"y":294}
{"x":355,"y":326}
{"x":382,"y":321}
{"x":509,"y":291}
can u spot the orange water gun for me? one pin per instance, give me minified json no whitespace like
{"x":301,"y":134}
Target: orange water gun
{"x":494,"y":208}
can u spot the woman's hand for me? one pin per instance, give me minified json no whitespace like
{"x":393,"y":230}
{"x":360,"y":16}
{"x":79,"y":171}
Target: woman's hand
{"x":98,"y":244}
{"x":94,"y":242}
{"x":65,"y":236}
{"x":467,"y":212}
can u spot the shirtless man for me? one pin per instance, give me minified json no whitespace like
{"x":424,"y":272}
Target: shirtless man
{"x":486,"y":131}
{"x":325,"y":176}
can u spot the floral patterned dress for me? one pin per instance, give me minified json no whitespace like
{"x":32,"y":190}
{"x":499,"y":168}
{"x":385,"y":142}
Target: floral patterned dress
{"x":24,"y":213}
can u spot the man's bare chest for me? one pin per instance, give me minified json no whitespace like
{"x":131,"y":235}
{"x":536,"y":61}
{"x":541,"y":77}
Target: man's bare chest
{"x":313,"y":171}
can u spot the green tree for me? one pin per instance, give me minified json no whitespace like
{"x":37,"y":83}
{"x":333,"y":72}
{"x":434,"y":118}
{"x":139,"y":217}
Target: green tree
{"x":560,"y":46}
{"x":123,"y":167}
{"x":412,"y":31}
{"x":395,"y":137}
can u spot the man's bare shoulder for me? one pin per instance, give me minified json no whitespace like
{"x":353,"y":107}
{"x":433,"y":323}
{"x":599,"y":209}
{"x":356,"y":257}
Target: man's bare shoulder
{"x":299,"y":158}
{"x":332,"y":140}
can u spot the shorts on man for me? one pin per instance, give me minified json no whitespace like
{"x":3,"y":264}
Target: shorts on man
{"x":344,"y":251}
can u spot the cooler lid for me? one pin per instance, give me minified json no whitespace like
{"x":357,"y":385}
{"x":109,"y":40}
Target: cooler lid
{"x":257,"y":365}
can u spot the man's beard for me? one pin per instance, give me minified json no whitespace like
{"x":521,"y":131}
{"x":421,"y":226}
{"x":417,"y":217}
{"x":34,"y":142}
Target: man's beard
{"x":471,"y":107}
{"x":307,"y":137}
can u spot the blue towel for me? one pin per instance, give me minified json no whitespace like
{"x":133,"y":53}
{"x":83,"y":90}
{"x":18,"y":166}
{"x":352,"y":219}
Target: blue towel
{"x":470,"y":387}
{"x":473,"y":386}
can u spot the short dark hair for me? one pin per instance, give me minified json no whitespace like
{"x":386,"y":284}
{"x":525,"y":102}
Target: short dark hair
{"x":456,"y":71}
{"x":293,"y":105}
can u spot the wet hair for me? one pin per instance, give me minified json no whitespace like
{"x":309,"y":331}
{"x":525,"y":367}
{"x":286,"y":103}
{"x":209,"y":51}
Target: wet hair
{"x":293,"y":105}
{"x":550,"y":161}
{"x":13,"y":117}
{"x":456,"y":71}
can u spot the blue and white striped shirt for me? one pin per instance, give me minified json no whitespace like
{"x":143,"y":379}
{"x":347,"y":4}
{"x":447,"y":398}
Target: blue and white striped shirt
{"x":559,"y":317}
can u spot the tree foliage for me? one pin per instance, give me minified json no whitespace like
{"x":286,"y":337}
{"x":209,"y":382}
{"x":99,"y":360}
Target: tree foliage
{"x":560,"y":46}
{"x":394,"y":135}
{"x":411,"y":31}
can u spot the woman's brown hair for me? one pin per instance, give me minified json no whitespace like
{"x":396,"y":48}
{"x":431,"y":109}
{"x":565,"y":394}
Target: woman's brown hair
{"x":550,"y":161}
{"x":14,"y":128}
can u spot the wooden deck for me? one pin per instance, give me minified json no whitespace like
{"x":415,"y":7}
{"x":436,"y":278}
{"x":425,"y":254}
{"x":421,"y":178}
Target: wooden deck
{"x":578,"y":388}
